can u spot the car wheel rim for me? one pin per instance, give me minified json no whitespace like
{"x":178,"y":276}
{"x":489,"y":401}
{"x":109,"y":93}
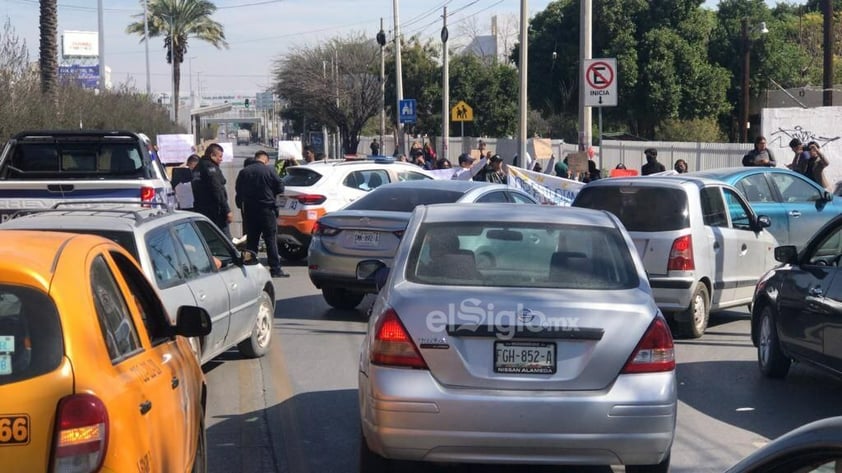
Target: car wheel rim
{"x":264,"y":324}
{"x":698,"y":311}
{"x":765,"y":340}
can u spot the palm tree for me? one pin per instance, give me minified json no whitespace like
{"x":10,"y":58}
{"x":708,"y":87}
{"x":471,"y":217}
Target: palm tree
{"x":177,"y":21}
{"x":48,"y":60}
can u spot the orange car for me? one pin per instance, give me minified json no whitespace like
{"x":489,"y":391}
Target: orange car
{"x":93,"y":377}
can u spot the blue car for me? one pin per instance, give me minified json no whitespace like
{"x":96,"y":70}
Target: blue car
{"x":797,"y":206}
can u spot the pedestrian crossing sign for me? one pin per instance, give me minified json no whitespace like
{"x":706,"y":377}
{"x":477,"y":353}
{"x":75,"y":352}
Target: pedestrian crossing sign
{"x":407,"y":111}
{"x":461,"y":112}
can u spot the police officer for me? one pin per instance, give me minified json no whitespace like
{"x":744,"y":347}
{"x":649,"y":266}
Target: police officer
{"x":209,"y":195}
{"x":256,"y":187}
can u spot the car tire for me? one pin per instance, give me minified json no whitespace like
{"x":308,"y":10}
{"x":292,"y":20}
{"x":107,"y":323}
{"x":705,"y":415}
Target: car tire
{"x":371,"y":462}
{"x":694,"y":320}
{"x":662,"y":467}
{"x":340,"y":298}
{"x":771,"y":359}
{"x":291,"y":252}
{"x":257,"y":344}
{"x":200,"y":460}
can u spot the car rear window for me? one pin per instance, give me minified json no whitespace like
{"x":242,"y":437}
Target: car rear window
{"x":30,"y":334}
{"x":403,"y":199}
{"x":122,"y":238}
{"x":640,"y":208}
{"x":300,"y":176}
{"x":77,"y":160}
{"x":522,"y":255}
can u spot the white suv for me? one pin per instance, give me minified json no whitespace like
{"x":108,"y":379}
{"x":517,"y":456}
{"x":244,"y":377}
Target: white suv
{"x":320,"y":187}
{"x":701,"y":243}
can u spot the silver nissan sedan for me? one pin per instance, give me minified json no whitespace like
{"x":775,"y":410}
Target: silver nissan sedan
{"x":552,"y":352}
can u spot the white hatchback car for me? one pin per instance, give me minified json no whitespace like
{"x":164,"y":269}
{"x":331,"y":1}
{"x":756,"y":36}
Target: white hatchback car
{"x":702,"y":245}
{"x":320,"y":187}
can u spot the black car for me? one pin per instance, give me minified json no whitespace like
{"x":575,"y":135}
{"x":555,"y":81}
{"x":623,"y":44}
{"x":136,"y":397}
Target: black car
{"x":797,"y":307}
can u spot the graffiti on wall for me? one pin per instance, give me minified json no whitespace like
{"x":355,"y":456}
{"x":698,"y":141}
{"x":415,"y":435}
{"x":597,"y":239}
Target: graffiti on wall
{"x":782,"y":136}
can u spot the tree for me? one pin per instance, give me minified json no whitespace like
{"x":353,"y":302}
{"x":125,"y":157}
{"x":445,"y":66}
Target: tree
{"x":335,"y":83}
{"x":422,"y":77}
{"x":48,"y":61}
{"x":178,"y":21}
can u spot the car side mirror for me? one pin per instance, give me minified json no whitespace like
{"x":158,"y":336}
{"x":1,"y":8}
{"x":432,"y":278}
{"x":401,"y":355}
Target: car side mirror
{"x":763,"y":221}
{"x":192,"y":321}
{"x":786,"y":254}
{"x":827,"y":196}
{"x":249,"y":258}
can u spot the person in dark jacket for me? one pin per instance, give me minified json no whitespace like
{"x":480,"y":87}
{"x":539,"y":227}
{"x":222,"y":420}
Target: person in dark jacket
{"x":652,"y":165}
{"x":760,"y":155}
{"x":209,"y":195}
{"x":256,"y":188}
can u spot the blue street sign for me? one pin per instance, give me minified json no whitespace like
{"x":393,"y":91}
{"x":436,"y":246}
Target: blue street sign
{"x":407,"y":111}
{"x":85,"y":76}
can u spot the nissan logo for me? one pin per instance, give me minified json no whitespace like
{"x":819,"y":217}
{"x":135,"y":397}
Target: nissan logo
{"x":525,"y":316}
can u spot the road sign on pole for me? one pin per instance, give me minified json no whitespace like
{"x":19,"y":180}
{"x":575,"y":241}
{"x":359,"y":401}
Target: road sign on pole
{"x":600,"y":82}
{"x":407,"y":111}
{"x":462,"y":112}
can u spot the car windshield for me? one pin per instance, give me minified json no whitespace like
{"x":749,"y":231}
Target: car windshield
{"x":30,"y":334}
{"x":521,"y":255}
{"x":640,"y":208}
{"x":78,"y":160}
{"x":300,"y":176}
{"x":399,"y":199}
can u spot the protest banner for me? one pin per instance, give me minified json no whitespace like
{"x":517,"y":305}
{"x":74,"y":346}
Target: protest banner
{"x":174,"y":149}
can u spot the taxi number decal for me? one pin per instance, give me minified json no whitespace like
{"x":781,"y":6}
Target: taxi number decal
{"x":14,"y":429}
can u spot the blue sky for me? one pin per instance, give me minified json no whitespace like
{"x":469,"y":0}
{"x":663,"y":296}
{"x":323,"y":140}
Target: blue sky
{"x":258,"y":31}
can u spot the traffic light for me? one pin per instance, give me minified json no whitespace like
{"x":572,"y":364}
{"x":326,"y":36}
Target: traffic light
{"x":247,"y":103}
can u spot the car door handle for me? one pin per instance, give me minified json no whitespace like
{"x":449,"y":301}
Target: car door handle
{"x":202,"y":296}
{"x":145,"y":407}
{"x":743,"y":249}
{"x":234,"y":285}
{"x":815,"y":291}
{"x":794,"y":213}
{"x":716,"y":245}
{"x":175,"y":382}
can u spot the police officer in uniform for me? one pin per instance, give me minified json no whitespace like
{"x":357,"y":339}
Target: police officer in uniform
{"x":256,"y":187}
{"x":209,"y":195}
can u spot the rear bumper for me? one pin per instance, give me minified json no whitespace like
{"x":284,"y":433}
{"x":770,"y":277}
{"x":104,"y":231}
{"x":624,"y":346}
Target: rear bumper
{"x":672,"y":294}
{"x":406,"y":414}
{"x":296,"y":229}
{"x":293,"y":236}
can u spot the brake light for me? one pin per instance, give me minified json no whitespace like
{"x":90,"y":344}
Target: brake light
{"x":681,"y":255}
{"x":310,"y":199}
{"x":147,"y":194}
{"x":392,"y":345}
{"x":81,"y":437}
{"x":325,"y":230}
{"x":655,"y":352}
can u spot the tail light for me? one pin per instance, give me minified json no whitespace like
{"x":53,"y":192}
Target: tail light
{"x":681,"y":255}
{"x":392,"y":345}
{"x":147,"y":194}
{"x":310,"y":199}
{"x":655,"y":352}
{"x":81,"y":437}
{"x":325,"y":230}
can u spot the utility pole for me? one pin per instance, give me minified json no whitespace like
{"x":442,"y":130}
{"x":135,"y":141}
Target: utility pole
{"x":827,"y":95}
{"x":146,"y":45}
{"x":745,"y":81}
{"x":381,"y":40}
{"x":324,"y":127}
{"x":101,"y":45}
{"x":585,"y":120}
{"x":398,"y":79}
{"x":339,"y":151}
{"x":522,"y":103}
{"x":445,"y":86}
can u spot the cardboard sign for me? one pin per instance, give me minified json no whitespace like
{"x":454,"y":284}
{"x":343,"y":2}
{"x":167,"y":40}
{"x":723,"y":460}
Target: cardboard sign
{"x":542,"y":148}
{"x":577,"y":162}
{"x":174,"y":149}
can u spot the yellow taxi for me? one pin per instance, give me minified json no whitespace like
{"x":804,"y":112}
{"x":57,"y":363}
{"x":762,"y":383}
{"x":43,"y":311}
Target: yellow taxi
{"x":93,"y":376}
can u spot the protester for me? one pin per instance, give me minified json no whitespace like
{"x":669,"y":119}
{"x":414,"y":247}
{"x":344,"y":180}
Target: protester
{"x":652,"y":165}
{"x":494,"y":171}
{"x":309,"y":154}
{"x":562,"y":169}
{"x":182,"y":178}
{"x":816,"y":165}
{"x":237,"y":197}
{"x":681,"y":166}
{"x":256,"y":189}
{"x":443,"y":163}
{"x":760,"y":155}
{"x":375,"y":148}
{"x":209,"y":195}
{"x":801,"y":157}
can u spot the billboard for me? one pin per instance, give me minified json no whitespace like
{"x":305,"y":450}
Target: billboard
{"x":86,"y":77}
{"x":80,"y":44}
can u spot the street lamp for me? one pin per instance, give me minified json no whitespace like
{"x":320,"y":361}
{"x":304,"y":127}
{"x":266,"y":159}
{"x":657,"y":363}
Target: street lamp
{"x":381,"y":40}
{"x":746,"y":43}
{"x":445,"y":98}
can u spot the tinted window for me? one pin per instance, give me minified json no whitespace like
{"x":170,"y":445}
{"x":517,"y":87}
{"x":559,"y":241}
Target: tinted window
{"x":122,"y":238}
{"x":168,"y":265}
{"x":739,"y":212}
{"x":152,"y":313}
{"x":31,"y":343}
{"x":220,"y":247}
{"x":197,"y":257}
{"x":115,"y":320}
{"x":366,"y":180}
{"x":713,"y":207}
{"x":493,"y":197}
{"x":829,"y":250}
{"x":641,"y":209}
{"x":300,"y":176}
{"x":79,"y":160}
{"x":403,"y":199}
{"x":795,"y":189}
{"x":756,"y":188}
{"x":520,"y":198}
{"x":521,"y":255}
{"x":412,"y":176}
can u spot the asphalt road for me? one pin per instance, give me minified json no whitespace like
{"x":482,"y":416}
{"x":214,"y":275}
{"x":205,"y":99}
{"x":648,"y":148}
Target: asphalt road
{"x":295,"y":410}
